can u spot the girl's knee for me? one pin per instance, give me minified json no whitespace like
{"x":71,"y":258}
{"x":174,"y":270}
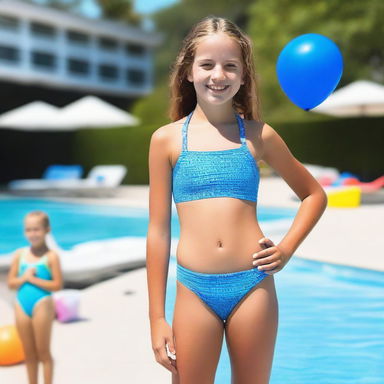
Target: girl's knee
{"x":31,"y":359}
{"x":45,"y":356}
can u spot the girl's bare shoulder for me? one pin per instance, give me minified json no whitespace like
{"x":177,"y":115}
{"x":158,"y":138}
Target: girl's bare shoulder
{"x":254,"y":134}
{"x":52,"y":255}
{"x":263,"y":134}
{"x":18,"y":253}
{"x":168,"y":130}
{"x":167,"y":139}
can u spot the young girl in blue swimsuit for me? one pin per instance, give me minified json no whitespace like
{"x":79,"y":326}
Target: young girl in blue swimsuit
{"x":35,"y":272}
{"x":207,"y":157}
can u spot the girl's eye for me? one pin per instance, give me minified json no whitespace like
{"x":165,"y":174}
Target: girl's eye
{"x":228,"y":65}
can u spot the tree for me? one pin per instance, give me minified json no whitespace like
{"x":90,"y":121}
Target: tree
{"x":119,"y":10}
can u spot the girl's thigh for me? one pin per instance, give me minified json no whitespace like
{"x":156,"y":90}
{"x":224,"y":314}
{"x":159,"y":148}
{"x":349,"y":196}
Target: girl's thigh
{"x":198,"y":334}
{"x":251,"y":334}
{"x":43,"y":316}
{"x":25,"y":329}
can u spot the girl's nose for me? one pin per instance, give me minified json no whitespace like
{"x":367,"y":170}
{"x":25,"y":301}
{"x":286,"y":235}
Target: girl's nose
{"x":218,"y":73}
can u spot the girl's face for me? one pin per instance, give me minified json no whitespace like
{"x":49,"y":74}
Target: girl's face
{"x":35,"y":230}
{"x":217,"y":69}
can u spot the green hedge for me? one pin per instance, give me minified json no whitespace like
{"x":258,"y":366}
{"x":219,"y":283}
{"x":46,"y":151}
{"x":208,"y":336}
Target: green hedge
{"x":354,"y":145}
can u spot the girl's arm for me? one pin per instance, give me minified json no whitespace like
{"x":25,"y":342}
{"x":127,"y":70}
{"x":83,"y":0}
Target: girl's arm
{"x":158,"y":245}
{"x":56,"y":283}
{"x":13,"y":281}
{"x":159,"y":228}
{"x":313,"y":197}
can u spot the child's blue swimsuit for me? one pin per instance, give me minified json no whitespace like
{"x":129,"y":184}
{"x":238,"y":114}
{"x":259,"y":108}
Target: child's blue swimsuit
{"x":29,"y":294}
{"x":208,"y":174}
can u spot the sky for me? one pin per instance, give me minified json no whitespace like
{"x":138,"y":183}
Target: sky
{"x":90,"y":9}
{"x":149,"y":6}
{"x":140,"y":6}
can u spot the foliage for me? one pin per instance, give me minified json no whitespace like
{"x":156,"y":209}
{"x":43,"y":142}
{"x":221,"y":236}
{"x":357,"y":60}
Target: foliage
{"x":355,"y":26}
{"x":121,"y":10}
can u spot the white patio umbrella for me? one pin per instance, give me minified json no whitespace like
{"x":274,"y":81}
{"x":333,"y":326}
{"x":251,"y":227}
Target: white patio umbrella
{"x":360,"y":98}
{"x":92,"y":112}
{"x":36,"y":115}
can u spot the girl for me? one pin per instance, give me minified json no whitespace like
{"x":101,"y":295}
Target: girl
{"x":208,"y":158}
{"x":35,"y":272}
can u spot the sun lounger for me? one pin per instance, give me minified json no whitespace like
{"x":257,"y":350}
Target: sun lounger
{"x":102,"y":180}
{"x":55,"y":174}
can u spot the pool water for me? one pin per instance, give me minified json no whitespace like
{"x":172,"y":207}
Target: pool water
{"x":77,"y":223}
{"x":331,"y":325}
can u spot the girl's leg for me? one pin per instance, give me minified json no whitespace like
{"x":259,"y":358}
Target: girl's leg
{"x":43,"y":316}
{"x":251,"y":334}
{"x":198,"y":337}
{"x":25,"y":330}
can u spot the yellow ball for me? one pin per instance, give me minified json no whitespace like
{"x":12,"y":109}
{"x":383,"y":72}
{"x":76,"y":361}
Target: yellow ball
{"x":11,"y":349}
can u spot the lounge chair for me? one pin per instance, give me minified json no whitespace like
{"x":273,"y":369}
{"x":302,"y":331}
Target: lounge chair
{"x":54,"y":174}
{"x":102,"y":180}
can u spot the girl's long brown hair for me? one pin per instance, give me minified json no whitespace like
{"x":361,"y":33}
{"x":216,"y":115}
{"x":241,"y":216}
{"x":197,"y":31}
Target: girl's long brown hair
{"x":183,"y":96}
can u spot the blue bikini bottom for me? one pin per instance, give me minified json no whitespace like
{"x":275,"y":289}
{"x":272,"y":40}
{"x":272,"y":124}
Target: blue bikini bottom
{"x":220,"y":291}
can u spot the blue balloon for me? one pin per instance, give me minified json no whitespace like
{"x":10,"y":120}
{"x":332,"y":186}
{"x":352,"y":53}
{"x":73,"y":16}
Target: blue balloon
{"x":309,"y":68}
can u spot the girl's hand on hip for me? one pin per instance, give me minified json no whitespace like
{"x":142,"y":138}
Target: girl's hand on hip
{"x":163,"y":344}
{"x":271,"y":259}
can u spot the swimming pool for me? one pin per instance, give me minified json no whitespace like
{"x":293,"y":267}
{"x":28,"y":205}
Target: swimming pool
{"x":331,"y":325}
{"x":77,"y":223}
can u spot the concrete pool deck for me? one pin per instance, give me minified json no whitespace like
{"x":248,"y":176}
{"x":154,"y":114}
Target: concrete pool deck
{"x":112,"y":342}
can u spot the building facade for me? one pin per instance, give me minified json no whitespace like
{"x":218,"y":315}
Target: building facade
{"x":56,"y":56}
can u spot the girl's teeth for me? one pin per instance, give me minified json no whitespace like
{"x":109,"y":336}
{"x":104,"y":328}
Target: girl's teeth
{"x":217,"y":88}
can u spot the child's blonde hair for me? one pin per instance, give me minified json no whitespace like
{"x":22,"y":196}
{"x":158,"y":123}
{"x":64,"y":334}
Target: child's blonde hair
{"x":183,"y":96}
{"x":42,"y":215}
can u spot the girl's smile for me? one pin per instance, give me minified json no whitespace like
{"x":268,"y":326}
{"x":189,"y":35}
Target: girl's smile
{"x":216,"y":88}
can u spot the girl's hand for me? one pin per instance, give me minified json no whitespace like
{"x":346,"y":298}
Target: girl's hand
{"x":271,"y":259}
{"x":163,"y":344}
{"x":29,"y":273}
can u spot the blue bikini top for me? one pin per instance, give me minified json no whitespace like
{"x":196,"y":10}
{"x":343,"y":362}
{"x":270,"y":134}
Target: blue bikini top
{"x":207,"y":174}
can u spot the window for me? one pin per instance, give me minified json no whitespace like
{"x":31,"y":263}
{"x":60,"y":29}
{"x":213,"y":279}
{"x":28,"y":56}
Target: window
{"x":135,"y":49}
{"x":43,"y":30}
{"x":108,"y":72}
{"x":78,"y":67}
{"x":78,"y":38}
{"x":9,"y":23}
{"x":10,"y":54}
{"x":135,"y":76}
{"x":43,"y":60}
{"x":108,"y":44}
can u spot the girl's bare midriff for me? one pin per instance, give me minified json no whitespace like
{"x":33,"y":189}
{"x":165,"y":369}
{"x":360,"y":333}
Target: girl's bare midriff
{"x":218,"y":235}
